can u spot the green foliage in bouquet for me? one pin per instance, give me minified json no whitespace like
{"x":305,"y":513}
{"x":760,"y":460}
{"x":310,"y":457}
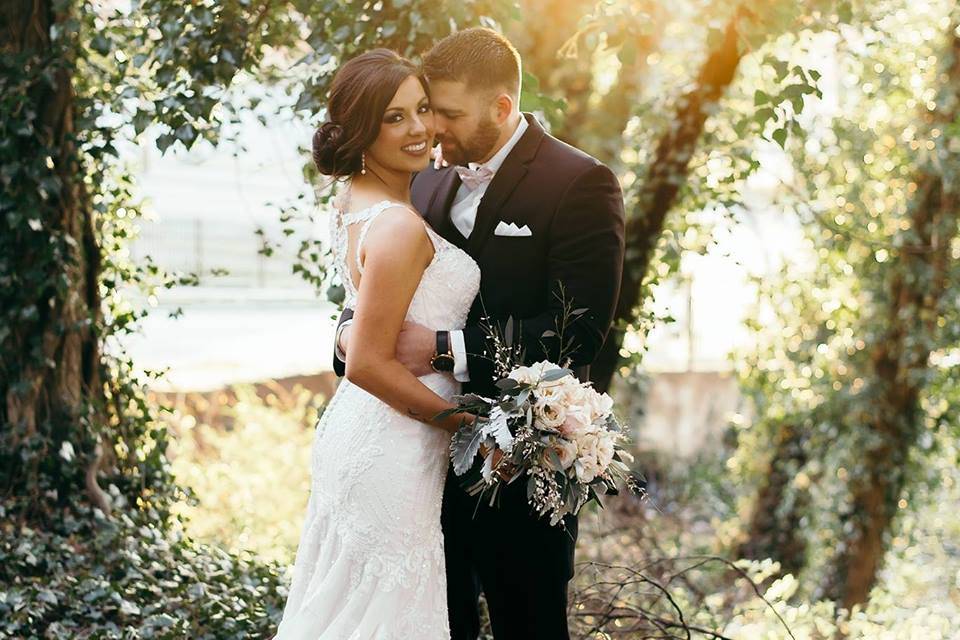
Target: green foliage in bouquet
{"x":544,"y":425}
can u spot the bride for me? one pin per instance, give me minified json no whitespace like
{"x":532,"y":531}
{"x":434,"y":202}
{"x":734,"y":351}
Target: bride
{"x":370,"y":562}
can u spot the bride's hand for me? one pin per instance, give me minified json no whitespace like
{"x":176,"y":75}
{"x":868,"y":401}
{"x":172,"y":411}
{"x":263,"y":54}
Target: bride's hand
{"x":504,"y":470}
{"x":415,"y":347}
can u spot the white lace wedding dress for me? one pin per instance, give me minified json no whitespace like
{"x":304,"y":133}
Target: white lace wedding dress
{"x":370,"y":564}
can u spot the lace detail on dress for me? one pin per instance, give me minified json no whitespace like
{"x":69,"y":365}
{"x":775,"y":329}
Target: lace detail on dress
{"x":339,"y":221}
{"x":370,"y":564}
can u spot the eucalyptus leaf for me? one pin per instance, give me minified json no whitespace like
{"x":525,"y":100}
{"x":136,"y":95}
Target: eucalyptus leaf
{"x":464,"y":446}
{"x":556,"y":374}
{"x":497,"y":427}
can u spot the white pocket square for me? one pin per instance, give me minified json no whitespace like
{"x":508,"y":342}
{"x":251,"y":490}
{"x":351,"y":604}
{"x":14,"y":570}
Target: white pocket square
{"x":504,"y":229}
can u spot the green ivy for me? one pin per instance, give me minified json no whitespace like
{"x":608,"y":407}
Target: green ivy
{"x":127,"y":577}
{"x":154,"y":72}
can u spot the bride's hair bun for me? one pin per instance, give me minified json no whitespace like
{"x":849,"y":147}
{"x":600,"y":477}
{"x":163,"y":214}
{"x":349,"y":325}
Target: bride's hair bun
{"x":328,"y":149}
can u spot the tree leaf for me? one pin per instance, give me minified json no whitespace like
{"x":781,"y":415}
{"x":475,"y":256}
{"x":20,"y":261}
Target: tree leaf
{"x":780,"y":136}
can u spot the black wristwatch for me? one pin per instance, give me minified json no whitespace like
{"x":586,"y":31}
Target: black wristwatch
{"x":442,"y":360}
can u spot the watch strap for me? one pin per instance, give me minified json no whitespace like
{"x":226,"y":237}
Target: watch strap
{"x":443,"y":343}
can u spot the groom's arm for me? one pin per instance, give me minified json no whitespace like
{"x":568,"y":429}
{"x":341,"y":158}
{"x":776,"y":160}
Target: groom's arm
{"x":339,"y":358}
{"x":585,"y":255}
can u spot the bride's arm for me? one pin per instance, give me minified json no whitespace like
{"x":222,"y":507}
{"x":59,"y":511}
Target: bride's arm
{"x":396,"y":251}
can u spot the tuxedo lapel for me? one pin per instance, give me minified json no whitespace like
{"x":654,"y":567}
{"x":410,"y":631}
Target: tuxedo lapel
{"x":508,"y":176}
{"x":438,"y":213}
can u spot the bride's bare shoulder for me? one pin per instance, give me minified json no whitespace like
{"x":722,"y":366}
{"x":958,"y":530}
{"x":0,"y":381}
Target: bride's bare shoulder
{"x":401,"y":228}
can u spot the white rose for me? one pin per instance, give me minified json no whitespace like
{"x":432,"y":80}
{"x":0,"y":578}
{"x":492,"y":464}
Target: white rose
{"x":523,"y":375}
{"x":551,"y":416}
{"x":586,"y":465}
{"x":605,"y":449}
{"x":551,"y":395}
{"x":545,"y":365}
{"x":570,"y":387}
{"x":533,"y":373}
{"x":542,"y":368}
{"x":587,"y":445}
{"x":602,"y":405}
{"x":586,"y":468}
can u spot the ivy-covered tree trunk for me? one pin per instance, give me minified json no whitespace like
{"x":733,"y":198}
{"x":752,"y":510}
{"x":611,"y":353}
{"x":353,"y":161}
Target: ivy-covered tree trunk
{"x":774,"y":530}
{"x":900,"y":329}
{"x":913,"y":299}
{"x":50,"y":257}
{"x":659,"y":189}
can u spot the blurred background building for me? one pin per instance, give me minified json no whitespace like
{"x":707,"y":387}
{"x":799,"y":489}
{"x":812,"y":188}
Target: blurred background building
{"x":255,"y":319}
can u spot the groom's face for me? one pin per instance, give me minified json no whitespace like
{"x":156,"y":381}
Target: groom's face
{"x":466,"y":121}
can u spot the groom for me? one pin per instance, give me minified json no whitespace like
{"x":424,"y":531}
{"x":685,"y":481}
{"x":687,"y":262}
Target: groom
{"x":534,"y":213}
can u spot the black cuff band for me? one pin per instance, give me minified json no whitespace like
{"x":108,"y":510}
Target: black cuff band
{"x":443,"y":342}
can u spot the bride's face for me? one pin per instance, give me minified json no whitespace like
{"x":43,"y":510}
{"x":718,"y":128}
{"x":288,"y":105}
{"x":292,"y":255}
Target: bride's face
{"x":406,"y":130}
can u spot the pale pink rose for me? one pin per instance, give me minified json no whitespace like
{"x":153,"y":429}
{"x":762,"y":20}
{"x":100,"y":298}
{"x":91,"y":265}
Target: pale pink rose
{"x":576,"y":424}
{"x":583,"y":398}
{"x":566,"y":451}
{"x":572,"y":387}
{"x":570,"y":426}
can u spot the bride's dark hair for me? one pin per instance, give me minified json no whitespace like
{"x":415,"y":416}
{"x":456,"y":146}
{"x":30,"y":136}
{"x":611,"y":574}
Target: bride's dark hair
{"x":359,"y":96}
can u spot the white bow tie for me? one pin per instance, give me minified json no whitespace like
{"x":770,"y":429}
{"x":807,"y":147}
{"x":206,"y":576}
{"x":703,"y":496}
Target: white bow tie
{"x":473,"y":178}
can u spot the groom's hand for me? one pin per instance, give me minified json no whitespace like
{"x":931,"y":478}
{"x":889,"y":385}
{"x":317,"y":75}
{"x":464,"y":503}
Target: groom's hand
{"x":416,"y":345}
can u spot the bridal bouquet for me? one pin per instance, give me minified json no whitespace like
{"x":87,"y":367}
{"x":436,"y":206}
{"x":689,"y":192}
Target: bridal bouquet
{"x":550,"y":428}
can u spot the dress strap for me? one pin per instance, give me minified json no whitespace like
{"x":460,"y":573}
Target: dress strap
{"x":438,"y":242}
{"x":369,"y":213}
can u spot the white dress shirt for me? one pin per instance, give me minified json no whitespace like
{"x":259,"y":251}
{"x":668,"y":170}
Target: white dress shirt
{"x":463,"y":212}
{"x":463,"y":215}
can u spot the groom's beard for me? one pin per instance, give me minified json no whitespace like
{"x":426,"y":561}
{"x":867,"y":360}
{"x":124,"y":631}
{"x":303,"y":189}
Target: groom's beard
{"x":475,"y":149}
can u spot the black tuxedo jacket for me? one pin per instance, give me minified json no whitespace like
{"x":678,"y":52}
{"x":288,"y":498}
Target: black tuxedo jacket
{"x":573,"y":205}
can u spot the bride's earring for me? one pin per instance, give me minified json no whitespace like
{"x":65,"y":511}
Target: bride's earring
{"x":363,"y":163}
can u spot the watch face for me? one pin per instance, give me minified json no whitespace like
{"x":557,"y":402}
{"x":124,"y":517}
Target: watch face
{"x":442,"y":362}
